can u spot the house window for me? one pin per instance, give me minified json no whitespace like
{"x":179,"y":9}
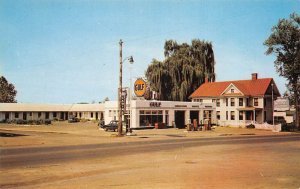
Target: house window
{"x":218,"y":102}
{"x":30,"y":114}
{"x":54,"y":114}
{"x":92,"y":114}
{"x":241,"y":101}
{"x":79,"y":114}
{"x":232,"y":90}
{"x":218,"y":115}
{"x":16,"y":115}
{"x":39,"y":114}
{"x":232,"y":101}
{"x":226,"y":101}
{"x":255,"y":101}
{"x":232,"y":115}
{"x":265,"y":102}
{"x":200,"y":100}
{"x":241,"y":115}
{"x":226,"y":115}
{"x":47,"y":115}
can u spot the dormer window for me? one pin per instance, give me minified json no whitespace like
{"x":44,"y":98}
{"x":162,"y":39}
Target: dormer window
{"x":232,"y":90}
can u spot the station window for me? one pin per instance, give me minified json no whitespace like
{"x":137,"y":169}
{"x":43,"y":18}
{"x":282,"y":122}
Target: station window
{"x":149,"y":118}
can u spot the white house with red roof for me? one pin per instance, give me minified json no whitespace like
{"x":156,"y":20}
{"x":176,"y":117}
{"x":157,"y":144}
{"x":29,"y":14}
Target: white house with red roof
{"x":239,"y":102}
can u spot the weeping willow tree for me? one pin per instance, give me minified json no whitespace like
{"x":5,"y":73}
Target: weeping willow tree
{"x":183,"y":70}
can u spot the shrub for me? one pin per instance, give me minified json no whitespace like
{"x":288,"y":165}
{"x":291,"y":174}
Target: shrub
{"x":288,"y":127}
{"x":47,"y":121}
{"x":251,"y":126}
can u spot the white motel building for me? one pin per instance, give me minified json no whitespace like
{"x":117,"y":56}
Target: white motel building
{"x":227,"y":103}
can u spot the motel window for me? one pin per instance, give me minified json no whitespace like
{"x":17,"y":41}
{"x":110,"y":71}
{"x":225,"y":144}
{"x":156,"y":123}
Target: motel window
{"x":54,"y":114}
{"x":232,"y":115}
{"x":226,"y":115}
{"x":241,"y":115}
{"x":218,"y":115}
{"x":255,"y":101}
{"x":218,"y":102}
{"x":92,"y":114}
{"x":16,"y":115}
{"x":241,"y":101}
{"x":232,"y":102}
{"x":232,"y":90}
{"x":39,"y":114}
{"x":149,"y":118}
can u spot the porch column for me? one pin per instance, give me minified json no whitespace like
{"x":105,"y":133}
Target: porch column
{"x":254,"y":116}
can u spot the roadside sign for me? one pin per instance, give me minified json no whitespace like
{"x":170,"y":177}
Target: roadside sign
{"x":139,"y":87}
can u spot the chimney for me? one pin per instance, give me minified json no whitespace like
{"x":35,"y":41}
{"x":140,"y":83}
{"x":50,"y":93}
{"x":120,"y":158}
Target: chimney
{"x":254,"y":76}
{"x":206,"y":80}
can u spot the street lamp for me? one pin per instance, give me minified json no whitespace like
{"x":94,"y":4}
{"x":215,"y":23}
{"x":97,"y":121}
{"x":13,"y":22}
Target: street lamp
{"x":120,"y":89}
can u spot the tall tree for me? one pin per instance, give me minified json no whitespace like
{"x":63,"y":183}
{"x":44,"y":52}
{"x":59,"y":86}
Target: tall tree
{"x":183,"y":70}
{"x":284,"y":42}
{"x":7,"y":91}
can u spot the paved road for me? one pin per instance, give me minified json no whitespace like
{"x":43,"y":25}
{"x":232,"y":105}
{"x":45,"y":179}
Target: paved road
{"x":36,"y":156}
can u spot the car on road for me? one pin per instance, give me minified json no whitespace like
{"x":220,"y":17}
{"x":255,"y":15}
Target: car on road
{"x":112,"y":126}
{"x":73,"y":120}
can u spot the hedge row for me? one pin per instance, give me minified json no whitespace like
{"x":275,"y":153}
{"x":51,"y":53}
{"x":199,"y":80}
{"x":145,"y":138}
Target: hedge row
{"x":27,"y":122}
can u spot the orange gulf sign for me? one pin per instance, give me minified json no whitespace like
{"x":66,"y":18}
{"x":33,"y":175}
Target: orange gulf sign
{"x":139,"y":87}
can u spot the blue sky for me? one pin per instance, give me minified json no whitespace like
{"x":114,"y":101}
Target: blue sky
{"x":67,"y":51}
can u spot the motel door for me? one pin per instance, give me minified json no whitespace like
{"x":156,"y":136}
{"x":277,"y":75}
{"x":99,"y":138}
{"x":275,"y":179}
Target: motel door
{"x":6,"y":115}
{"x":24,"y":115}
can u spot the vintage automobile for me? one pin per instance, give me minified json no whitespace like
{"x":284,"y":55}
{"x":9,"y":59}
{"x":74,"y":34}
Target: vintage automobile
{"x":112,"y":126}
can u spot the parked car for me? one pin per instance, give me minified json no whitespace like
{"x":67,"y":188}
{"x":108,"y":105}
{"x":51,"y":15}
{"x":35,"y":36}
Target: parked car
{"x":112,"y":126}
{"x":73,"y":120}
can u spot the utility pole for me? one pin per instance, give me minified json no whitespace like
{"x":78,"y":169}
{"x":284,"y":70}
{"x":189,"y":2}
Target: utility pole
{"x":120,"y":93}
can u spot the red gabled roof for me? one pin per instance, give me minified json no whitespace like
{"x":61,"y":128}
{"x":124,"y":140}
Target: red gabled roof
{"x":256,"y":87}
